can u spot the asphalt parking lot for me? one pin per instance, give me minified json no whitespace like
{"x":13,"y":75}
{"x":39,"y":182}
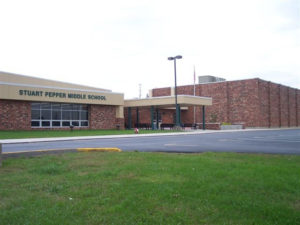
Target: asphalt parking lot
{"x":280,"y":141}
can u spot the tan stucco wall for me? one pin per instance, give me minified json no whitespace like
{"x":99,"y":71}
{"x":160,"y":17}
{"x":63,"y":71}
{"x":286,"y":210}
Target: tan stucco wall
{"x":120,"y":112}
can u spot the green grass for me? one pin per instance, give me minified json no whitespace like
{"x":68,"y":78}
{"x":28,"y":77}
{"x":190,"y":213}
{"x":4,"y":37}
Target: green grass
{"x":150,"y":188}
{"x":68,"y":133}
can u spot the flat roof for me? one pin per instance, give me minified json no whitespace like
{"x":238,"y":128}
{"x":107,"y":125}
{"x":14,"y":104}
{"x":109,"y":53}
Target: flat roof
{"x":169,"y":101}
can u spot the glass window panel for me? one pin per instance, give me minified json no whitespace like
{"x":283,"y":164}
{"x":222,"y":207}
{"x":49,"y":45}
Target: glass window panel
{"x":56,"y":106}
{"x":56,"y":115}
{"x":75,"y":115}
{"x":84,"y":123}
{"x":83,"y":115}
{"x":66,"y":123}
{"x":45,"y":105}
{"x":35,"y":123}
{"x":66,"y":115}
{"x":55,"y":123}
{"x":45,"y":123}
{"x":66,"y":106}
{"x":35,"y":105}
{"x":76,"y":107}
{"x":84,"y":107}
{"x":61,"y":114}
{"x":35,"y":114}
{"x":46,"y":114}
{"x":75,"y":123}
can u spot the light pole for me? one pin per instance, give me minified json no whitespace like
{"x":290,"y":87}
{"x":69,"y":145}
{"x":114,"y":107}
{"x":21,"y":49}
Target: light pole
{"x":177,"y":108}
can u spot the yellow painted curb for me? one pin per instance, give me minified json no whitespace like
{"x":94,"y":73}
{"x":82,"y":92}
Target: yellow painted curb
{"x":99,"y":149}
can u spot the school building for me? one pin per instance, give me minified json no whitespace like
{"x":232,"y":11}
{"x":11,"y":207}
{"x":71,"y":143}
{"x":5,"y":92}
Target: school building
{"x":28,"y":103}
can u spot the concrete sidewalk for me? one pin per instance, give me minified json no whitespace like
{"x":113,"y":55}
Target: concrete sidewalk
{"x":188,"y":132}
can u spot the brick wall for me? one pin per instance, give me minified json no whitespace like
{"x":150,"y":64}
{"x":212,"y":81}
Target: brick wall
{"x":103,"y":117}
{"x":161,"y":92}
{"x":292,"y":108}
{"x":15,"y":115}
{"x":298,"y":107}
{"x":284,"y":116}
{"x":234,"y":101}
{"x":219,"y":111}
{"x":242,"y":102}
{"x":274,"y":105}
{"x":120,"y":122}
{"x":264,"y":103}
{"x":253,"y":102}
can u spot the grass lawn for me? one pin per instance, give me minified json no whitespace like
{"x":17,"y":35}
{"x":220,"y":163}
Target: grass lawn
{"x":68,"y":133}
{"x":150,"y":188}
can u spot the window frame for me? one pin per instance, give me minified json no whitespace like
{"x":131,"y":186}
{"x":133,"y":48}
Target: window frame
{"x":77,"y":109}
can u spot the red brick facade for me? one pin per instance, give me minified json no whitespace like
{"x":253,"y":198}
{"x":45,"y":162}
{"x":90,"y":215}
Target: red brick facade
{"x":16,"y":115}
{"x":104,"y":117}
{"x":253,"y":102}
{"x":161,"y":92}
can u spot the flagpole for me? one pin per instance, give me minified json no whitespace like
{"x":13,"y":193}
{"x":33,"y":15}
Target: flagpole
{"x":194,"y":95}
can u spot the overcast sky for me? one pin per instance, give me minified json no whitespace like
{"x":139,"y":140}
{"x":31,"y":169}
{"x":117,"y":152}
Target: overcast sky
{"x":119,"y":44}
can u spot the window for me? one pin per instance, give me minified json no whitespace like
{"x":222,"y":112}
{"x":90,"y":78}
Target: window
{"x":66,"y":123}
{"x":58,"y":115}
{"x":35,"y":123}
{"x":55,"y":123}
{"x":35,"y":114}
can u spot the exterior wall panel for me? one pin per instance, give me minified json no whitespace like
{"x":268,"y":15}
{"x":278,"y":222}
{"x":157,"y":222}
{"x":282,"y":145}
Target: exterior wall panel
{"x":298,"y":107}
{"x":218,"y":111}
{"x":292,"y":107}
{"x":15,"y":115}
{"x":253,"y":102}
{"x":161,"y":92}
{"x":284,"y":105}
{"x":102,"y":117}
{"x":264,"y":101}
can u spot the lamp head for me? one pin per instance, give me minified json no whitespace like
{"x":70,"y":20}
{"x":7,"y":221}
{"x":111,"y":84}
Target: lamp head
{"x":178,"y":57}
{"x":171,"y":58}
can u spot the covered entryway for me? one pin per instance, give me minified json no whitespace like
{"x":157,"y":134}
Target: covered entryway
{"x":159,"y":111}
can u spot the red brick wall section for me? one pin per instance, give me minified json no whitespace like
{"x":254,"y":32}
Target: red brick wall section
{"x":298,"y":107}
{"x":264,"y":99}
{"x":120,"y":122}
{"x":15,"y":115}
{"x":210,"y":126}
{"x":234,"y":102}
{"x":218,"y":111}
{"x":185,"y":90}
{"x":274,"y":105}
{"x":243,"y":102}
{"x":161,"y":92}
{"x":253,"y":103}
{"x":292,"y":108}
{"x":102,"y":117}
{"x":284,"y":105}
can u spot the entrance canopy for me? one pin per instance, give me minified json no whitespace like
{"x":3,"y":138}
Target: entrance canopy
{"x":169,"y":101}
{"x":165,"y":102}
